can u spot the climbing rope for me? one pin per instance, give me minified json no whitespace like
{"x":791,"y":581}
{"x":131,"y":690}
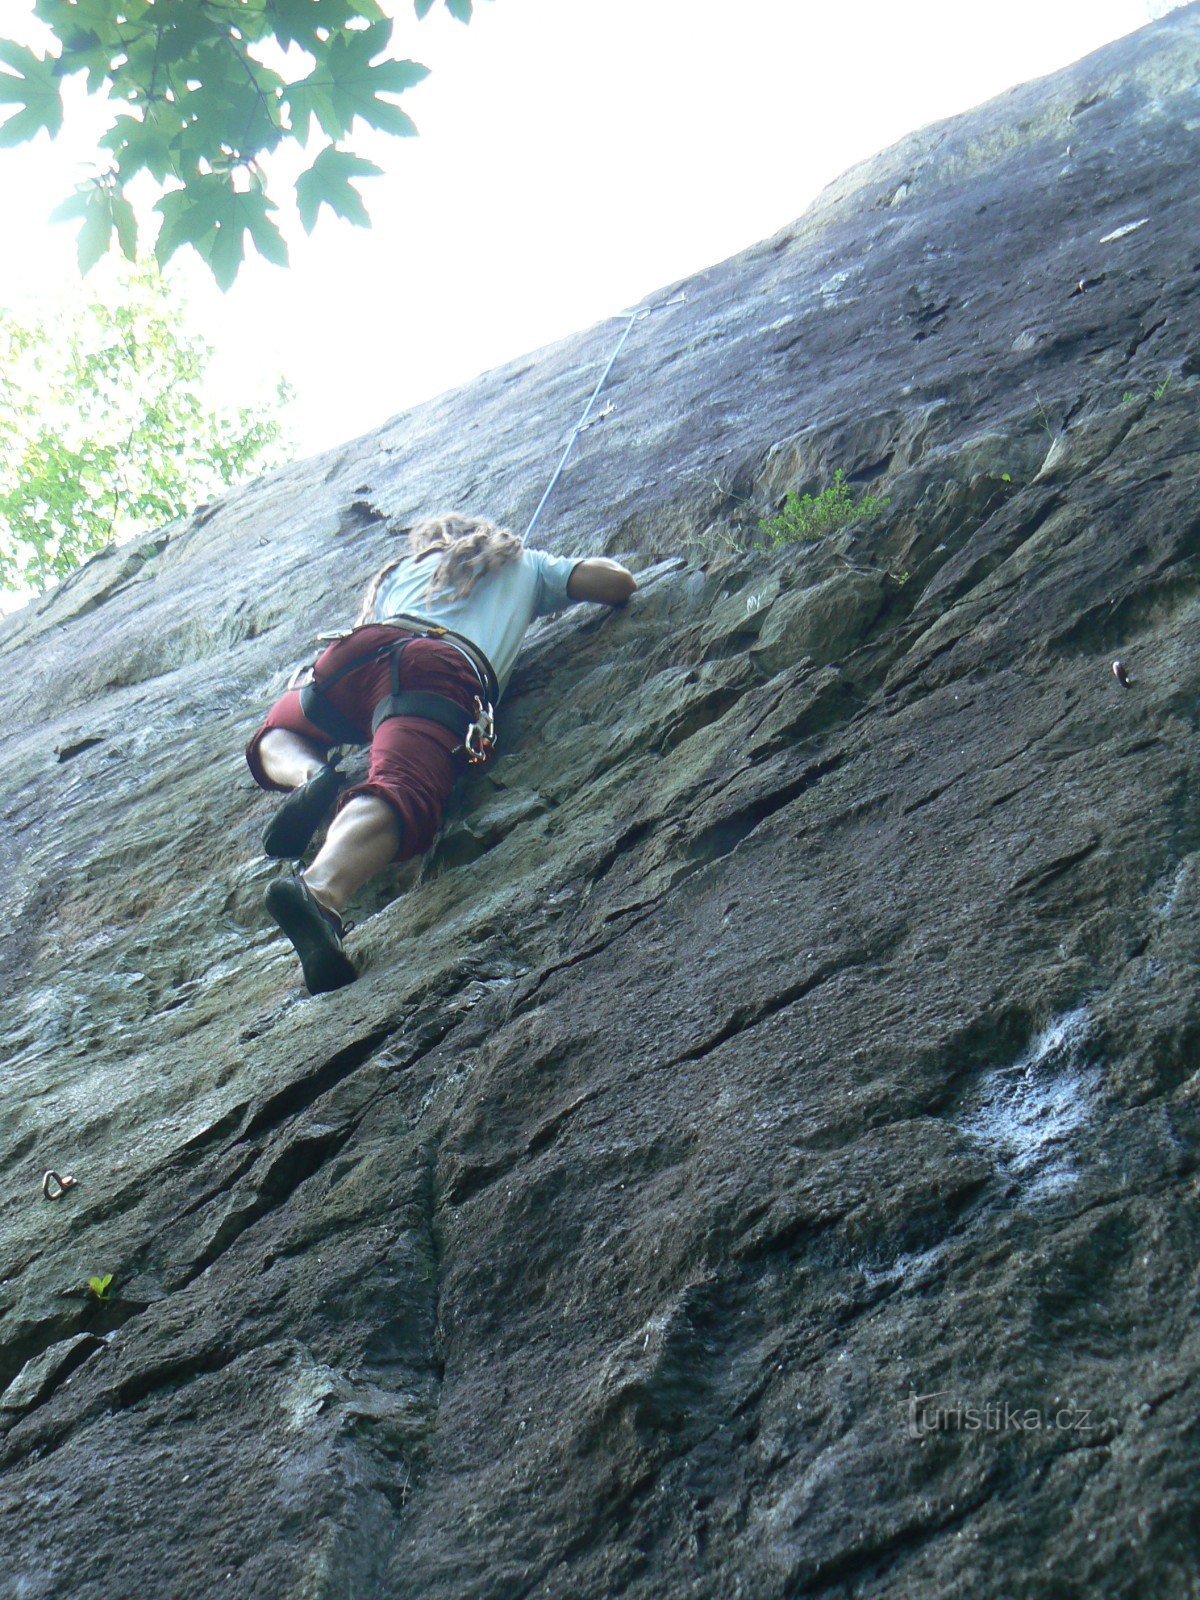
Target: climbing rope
{"x":630,"y":318}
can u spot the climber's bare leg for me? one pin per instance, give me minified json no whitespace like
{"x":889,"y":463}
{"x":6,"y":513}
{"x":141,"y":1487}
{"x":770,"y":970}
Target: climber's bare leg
{"x":362,"y":839}
{"x":288,"y":758}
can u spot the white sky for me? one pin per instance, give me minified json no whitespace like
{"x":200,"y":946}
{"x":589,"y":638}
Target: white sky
{"x":574,"y":155}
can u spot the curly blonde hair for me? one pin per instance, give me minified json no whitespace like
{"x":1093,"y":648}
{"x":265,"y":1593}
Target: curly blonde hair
{"x":470,"y":546}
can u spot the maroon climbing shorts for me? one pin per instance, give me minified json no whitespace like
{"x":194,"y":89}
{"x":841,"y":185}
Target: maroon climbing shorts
{"x":413,"y":764}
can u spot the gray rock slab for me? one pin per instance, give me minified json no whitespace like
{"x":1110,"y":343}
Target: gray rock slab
{"x":759,"y":1156}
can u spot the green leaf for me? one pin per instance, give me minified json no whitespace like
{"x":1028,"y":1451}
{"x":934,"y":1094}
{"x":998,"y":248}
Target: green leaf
{"x":383,"y":114}
{"x":268,"y":240}
{"x":96,"y":231}
{"x":327,"y":182}
{"x":31,"y":85}
{"x":102,"y":208}
{"x":393,"y":77}
{"x":224,"y":251}
{"x":457,"y":8}
{"x":192,"y":213}
{"x":57,"y":14}
{"x":211,"y":215}
{"x":310,"y":23}
{"x":75,"y":206}
{"x":125,"y":223}
{"x":100,"y":1286}
{"x":144,"y":144}
{"x":348,"y":83}
{"x":23,"y":61}
{"x":182,"y":29}
{"x":94,"y":59}
{"x":84,"y":28}
{"x":306,"y":99}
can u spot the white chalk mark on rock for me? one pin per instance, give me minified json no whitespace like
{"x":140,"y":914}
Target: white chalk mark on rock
{"x":1027,"y":1114}
{"x":1128,"y":227}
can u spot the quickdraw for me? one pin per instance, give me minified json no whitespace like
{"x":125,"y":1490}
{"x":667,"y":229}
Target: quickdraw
{"x":480,"y":740}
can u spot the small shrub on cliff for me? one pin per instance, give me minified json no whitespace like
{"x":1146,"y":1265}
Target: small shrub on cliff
{"x":810,"y":516}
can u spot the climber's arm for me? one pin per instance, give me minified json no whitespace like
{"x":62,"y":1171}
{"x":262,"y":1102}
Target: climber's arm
{"x":602,"y":580}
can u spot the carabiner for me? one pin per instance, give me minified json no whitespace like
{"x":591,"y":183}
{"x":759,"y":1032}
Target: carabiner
{"x":480,"y":739}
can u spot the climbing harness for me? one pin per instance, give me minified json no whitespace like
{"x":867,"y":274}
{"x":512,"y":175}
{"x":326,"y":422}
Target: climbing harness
{"x":476,"y":730}
{"x":630,"y":318}
{"x":54,"y":1186}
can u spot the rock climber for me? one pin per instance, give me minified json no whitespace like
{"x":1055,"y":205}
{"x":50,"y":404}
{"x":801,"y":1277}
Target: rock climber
{"x":416,"y":678}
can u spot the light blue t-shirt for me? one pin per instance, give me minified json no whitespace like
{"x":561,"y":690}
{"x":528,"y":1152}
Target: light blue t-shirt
{"x":499,"y":608}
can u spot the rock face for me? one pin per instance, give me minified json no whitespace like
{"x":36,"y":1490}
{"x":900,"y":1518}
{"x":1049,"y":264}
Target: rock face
{"x":797,"y":1021}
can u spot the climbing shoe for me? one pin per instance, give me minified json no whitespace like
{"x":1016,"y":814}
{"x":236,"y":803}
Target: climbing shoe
{"x":316,"y":933}
{"x":301,"y":814}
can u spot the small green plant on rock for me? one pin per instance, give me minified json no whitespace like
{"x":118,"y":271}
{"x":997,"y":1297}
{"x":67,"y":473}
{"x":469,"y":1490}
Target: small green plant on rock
{"x":100,"y":1287}
{"x":809,"y":516}
{"x":707,"y":545}
{"x":1043,"y":417}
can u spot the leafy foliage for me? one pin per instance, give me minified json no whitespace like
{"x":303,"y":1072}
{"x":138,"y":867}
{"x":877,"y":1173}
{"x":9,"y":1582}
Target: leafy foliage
{"x":100,"y":1286}
{"x":809,"y":516}
{"x":197,"y":106}
{"x":104,"y":430}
